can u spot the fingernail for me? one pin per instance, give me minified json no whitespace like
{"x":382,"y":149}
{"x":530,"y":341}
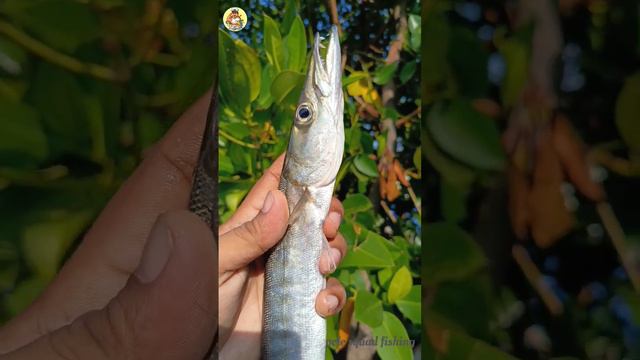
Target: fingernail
{"x":268,"y":203}
{"x":332,"y":302}
{"x":335,"y":217}
{"x":156,"y":253}
{"x":335,"y":255}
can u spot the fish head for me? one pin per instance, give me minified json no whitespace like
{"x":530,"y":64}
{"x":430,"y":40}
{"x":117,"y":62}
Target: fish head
{"x":317,"y":136}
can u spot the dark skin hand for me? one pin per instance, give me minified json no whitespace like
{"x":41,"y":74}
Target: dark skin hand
{"x":140,"y":284}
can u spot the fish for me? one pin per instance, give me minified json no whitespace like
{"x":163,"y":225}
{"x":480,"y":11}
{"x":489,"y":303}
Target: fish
{"x":292,"y":329}
{"x":204,"y":189}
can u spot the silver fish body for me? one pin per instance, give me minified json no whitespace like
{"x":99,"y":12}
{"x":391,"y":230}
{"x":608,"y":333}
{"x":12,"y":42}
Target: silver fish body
{"x":292,"y":329}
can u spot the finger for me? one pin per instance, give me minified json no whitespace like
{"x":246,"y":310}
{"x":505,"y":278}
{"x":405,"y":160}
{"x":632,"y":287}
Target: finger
{"x":253,"y":202}
{"x":334,"y":218}
{"x":331,"y":299}
{"x":247,"y":242}
{"x":337,"y":250}
{"x":111,"y":249}
{"x":158,"y":315}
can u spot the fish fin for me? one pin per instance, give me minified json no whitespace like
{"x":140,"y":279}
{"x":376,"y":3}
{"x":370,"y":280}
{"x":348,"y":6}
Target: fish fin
{"x":298,"y":210}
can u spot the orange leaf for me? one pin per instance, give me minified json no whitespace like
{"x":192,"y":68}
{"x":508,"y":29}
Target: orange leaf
{"x":345,"y":323}
{"x":572,"y":155}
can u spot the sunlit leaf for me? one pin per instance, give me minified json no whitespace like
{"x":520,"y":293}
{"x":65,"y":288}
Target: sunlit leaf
{"x":296,"y":46}
{"x":411,"y":305}
{"x":273,"y":43}
{"x":384,"y":73}
{"x":450,"y":253}
{"x":628,"y":111}
{"x":400,"y":285}
{"x":284,"y":83}
{"x":368,"y":308}
{"x":370,"y":254}
{"x":365,"y":165}
{"x":392,"y":330}
{"x":355,"y":203}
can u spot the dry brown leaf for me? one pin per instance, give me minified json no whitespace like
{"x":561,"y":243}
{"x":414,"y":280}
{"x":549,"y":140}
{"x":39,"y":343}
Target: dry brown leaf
{"x":345,"y":323}
{"x":400,"y":172}
{"x":550,"y":219}
{"x":572,"y":155}
{"x":487,"y":107}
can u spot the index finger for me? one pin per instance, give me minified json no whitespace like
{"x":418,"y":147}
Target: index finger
{"x":254,"y":200}
{"x":112,"y":248}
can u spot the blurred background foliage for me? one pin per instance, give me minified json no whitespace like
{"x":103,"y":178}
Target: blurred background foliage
{"x":531,"y":139}
{"x":85,"y":87}
{"x":262,"y":69}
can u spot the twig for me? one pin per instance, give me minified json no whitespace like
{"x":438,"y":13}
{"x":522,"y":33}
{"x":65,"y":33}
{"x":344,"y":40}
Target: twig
{"x":58,"y":58}
{"x":408,"y":117}
{"x":386,"y":209}
{"x":618,"y":165}
{"x":415,"y":200}
{"x":616,"y":233}
{"x":534,"y":277}
{"x":333,"y":12}
{"x":237,"y":141}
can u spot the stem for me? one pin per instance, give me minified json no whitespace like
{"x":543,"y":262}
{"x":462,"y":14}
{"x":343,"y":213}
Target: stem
{"x":534,"y":277}
{"x":386,"y":209}
{"x":237,"y":141}
{"x":616,"y":233}
{"x":58,"y":58}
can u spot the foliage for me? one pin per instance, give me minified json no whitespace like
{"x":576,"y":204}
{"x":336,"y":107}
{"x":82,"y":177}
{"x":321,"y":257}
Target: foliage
{"x":85,"y":87}
{"x":486,"y":300}
{"x":262,"y":70}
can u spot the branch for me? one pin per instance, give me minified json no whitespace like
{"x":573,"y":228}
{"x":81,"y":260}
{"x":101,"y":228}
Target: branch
{"x":58,"y":58}
{"x":534,"y":277}
{"x":333,"y":12}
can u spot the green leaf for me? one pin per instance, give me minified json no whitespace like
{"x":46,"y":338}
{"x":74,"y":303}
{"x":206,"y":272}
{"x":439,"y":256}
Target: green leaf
{"x":266,"y":79}
{"x":450,"y":169}
{"x":467,"y":135}
{"x":411,"y":305}
{"x":296,"y":46}
{"x":416,"y":32}
{"x":233,"y":77}
{"x":628,"y":111}
{"x":468,"y":59}
{"x":407,"y":72}
{"x":45,"y":243}
{"x":368,"y":308}
{"x":9,"y":265}
{"x":23,"y":295}
{"x":400,"y":285}
{"x":417,"y":159}
{"x":450,"y":253}
{"x":22,"y":138}
{"x":62,"y":24}
{"x":59,"y":96}
{"x":284,"y":83}
{"x":453,"y":201}
{"x":291,"y":8}
{"x":332,"y":331}
{"x":273,"y":43}
{"x":392,"y":330}
{"x":366,"y":166}
{"x":370,"y":254}
{"x":384,"y":277}
{"x":516,"y":57}
{"x":355,"y":203}
{"x":248,"y":59}
{"x":384,"y":73}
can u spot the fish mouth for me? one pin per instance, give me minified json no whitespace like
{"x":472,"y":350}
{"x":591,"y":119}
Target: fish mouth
{"x":327,"y":72}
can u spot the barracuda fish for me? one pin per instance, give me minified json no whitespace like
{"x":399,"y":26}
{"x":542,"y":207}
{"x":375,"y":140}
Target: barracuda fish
{"x":292,"y":329}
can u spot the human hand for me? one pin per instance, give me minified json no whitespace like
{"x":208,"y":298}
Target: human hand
{"x":258,"y":224}
{"x":123,"y":292}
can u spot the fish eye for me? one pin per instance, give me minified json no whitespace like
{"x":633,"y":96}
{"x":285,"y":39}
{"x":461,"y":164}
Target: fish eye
{"x":304,"y":113}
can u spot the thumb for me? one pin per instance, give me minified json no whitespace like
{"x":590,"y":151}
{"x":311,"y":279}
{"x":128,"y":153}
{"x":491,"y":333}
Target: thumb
{"x":167,"y":310}
{"x":248,"y":241}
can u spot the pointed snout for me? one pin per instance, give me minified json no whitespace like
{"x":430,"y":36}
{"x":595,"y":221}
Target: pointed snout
{"x":327,"y":74}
